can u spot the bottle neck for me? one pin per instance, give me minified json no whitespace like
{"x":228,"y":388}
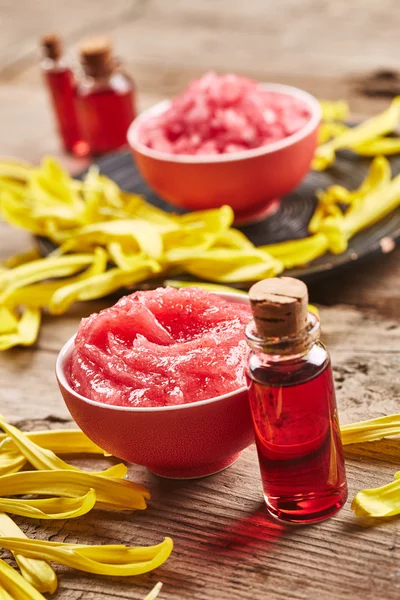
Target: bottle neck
{"x":54,"y":64}
{"x":287,"y":347}
{"x":118,"y":82}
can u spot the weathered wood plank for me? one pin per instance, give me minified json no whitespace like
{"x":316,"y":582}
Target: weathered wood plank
{"x":375,"y":284}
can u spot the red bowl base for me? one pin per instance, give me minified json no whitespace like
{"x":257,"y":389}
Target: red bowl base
{"x":195,"y":472}
{"x":258,"y":214}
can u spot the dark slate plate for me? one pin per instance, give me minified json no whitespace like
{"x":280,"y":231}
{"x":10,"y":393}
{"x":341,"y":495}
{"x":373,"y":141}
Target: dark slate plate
{"x":291,"y":220}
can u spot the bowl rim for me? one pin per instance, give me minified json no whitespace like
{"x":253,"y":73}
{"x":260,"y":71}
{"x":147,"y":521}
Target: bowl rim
{"x":160,"y":107}
{"x":66,"y":350}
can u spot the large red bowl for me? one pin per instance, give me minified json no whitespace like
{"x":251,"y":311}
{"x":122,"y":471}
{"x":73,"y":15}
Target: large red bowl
{"x":250,"y":181}
{"x":185,"y":441}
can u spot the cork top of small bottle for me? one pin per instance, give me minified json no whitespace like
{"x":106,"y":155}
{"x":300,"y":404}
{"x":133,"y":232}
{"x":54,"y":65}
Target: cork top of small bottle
{"x":280,"y":307}
{"x":96,"y":56}
{"x":51,"y":45}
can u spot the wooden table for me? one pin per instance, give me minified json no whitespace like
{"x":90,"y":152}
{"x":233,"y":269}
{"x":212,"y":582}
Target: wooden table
{"x":225,"y":546}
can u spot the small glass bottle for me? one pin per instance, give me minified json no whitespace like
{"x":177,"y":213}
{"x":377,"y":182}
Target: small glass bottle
{"x":293,"y":405}
{"x":105,"y":97}
{"x":60,"y":82}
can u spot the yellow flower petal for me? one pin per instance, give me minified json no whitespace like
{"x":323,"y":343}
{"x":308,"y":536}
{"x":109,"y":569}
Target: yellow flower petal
{"x":36,"y":572}
{"x":378,"y":502}
{"x":111,"y":493}
{"x":143,"y":236}
{"x":373,"y":429}
{"x":53,"y":508}
{"x":334,"y":110}
{"x":14,"y":169}
{"x":16,"y":586}
{"x":329,"y":130}
{"x":8,"y":321}
{"x":153,"y":594}
{"x":385,"y":145}
{"x":210,"y":287}
{"x":99,"y":286}
{"x":375,"y":127}
{"x":214,"y":220}
{"x":130,"y":261}
{"x":39,"y":270}
{"x":136,"y":206}
{"x":59,"y":441}
{"x":4,"y":595}
{"x":16,"y":213}
{"x":11,"y":461}
{"x":41,"y":294}
{"x":233,"y":238}
{"x":375,"y":205}
{"x":377,"y":196}
{"x":298,"y":252}
{"x":113,"y":560}
{"x":22,"y":258}
{"x":43,"y":459}
{"x":183,"y":245}
{"x":230,"y":265}
{"x":378,"y":176}
{"x":28,"y":329}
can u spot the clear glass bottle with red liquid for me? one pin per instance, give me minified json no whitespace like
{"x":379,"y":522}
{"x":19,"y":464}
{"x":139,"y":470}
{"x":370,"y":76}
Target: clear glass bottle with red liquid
{"x":293,"y":405}
{"x":105,"y":97}
{"x":60,"y":81}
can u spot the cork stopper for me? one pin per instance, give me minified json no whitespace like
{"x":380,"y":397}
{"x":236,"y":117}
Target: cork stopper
{"x":96,"y":56}
{"x":51,"y":45}
{"x":280,"y":306}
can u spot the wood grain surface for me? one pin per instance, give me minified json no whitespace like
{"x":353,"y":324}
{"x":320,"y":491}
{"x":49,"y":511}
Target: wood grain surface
{"x":225,"y":546}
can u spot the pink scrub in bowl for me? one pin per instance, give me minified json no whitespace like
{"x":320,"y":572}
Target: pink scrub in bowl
{"x":232,"y":141}
{"x":177,"y":406}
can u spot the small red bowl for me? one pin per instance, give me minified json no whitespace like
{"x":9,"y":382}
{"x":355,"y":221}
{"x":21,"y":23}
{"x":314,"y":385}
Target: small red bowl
{"x":184,"y":441}
{"x":250,"y":182}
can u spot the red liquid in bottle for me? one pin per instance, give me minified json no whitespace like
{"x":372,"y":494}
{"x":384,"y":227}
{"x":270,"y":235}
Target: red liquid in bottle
{"x":297,"y":435}
{"x":61,"y":85}
{"x":106,"y":114}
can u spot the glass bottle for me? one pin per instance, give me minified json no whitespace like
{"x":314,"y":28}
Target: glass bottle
{"x":60,"y":82}
{"x":293,"y":405}
{"x":105,"y":97}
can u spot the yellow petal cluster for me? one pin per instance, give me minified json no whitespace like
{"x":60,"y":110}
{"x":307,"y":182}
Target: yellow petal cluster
{"x":71,"y":493}
{"x":379,"y":502}
{"x":52,"y":508}
{"x":59,"y":441}
{"x":367,"y":139}
{"x":35,"y":571}
{"x":383,"y":501}
{"x":112,"y":493}
{"x":106,"y":239}
{"x":43,"y":458}
{"x":115,"y":560}
{"x":340,"y":214}
{"x":373,"y":429}
{"x":334,"y":110}
{"x":14,"y":586}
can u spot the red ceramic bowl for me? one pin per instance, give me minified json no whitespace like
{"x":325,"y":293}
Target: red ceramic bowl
{"x":250,"y":181}
{"x":185,"y":441}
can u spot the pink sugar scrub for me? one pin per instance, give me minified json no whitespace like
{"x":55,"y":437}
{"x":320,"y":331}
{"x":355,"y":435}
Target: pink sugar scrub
{"x":218,"y":114}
